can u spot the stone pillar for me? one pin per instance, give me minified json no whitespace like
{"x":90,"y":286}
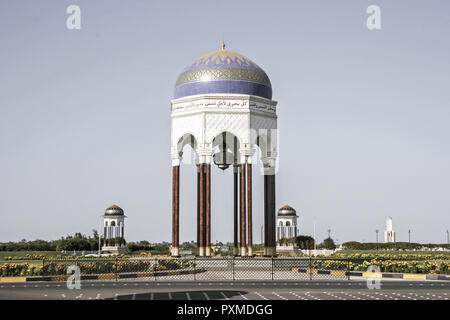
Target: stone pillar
{"x":104,"y":236}
{"x":269,"y":214}
{"x":208,"y":209}
{"x":242,"y":203}
{"x":235,"y":210}
{"x":201,"y":249}
{"x":123,"y":235}
{"x":175,"y":209}
{"x":249,"y":209}
{"x":198,"y":209}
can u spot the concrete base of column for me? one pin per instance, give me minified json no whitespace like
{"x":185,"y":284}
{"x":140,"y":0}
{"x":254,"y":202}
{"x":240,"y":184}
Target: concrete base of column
{"x":243,"y":251}
{"x":236,"y":251}
{"x":208,"y":251}
{"x":175,"y":252}
{"x":270,"y":251}
{"x":250,"y":252}
{"x":201,"y":251}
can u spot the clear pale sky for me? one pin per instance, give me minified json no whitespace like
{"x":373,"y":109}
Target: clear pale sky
{"x":364,"y":116}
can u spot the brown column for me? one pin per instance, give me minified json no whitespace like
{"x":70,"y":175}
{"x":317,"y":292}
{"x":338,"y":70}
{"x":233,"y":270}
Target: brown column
{"x":249,"y":208}
{"x":104,"y":237}
{"x":122,"y":241}
{"x":242,"y":202}
{"x":235,"y":207}
{"x":198,"y":209}
{"x":208,"y":210}
{"x":269,"y":215}
{"x":175,"y":209}
{"x":201,"y":249}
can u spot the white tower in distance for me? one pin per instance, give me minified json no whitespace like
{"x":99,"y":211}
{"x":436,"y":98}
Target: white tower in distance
{"x":389,"y":234}
{"x":113,"y":232}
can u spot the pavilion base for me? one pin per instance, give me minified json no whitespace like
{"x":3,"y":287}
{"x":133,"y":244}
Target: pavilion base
{"x":115,"y":249}
{"x":175,"y":252}
{"x":270,"y":251}
{"x":290,"y":250}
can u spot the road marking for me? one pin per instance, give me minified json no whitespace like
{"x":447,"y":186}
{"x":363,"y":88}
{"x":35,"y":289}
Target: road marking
{"x":279,"y":296}
{"x":188,"y":295}
{"x":296,"y":295}
{"x":243,"y":297}
{"x":115,"y":296}
{"x":133,"y":297}
{"x":259,"y":294}
{"x":223,"y":295}
{"x":206,"y":296}
{"x":170,"y":295}
{"x":152,"y":296}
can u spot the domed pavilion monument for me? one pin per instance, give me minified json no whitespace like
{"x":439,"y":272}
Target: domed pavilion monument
{"x":113,"y":232}
{"x":223,"y":109}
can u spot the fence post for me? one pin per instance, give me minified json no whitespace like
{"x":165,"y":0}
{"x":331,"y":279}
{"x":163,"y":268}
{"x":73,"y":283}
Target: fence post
{"x":76,"y":263}
{"x":310,"y":268}
{"x":271,"y":259}
{"x":195,"y":268}
{"x":156,"y":264}
{"x":348,"y":269}
{"x":232,"y":268}
{"x":116,"y":268}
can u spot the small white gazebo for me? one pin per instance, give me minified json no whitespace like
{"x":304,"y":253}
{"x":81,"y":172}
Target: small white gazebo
{"x":113,"y":230}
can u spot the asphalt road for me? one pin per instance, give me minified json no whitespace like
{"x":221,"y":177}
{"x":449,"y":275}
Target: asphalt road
{"x":229,"y":290}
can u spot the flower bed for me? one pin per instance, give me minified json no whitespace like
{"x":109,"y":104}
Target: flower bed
{"x":399,"y":266}
{"x":19,"y":270}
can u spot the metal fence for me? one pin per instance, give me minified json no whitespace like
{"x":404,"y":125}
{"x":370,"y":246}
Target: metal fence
{"x":214,"y":268}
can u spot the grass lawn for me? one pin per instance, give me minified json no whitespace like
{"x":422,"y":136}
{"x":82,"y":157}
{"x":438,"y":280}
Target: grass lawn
{"x":393,"y":252}
{"x":19,"y":255}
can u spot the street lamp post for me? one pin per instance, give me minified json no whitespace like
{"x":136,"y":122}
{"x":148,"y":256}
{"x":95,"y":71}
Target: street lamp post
{"x":409,"y":236}
{"x":99,"y":235}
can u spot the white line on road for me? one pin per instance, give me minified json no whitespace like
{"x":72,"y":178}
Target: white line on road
{"x":243,"y":297}
{"x":279,"y":296}
{"x":259,"y":294}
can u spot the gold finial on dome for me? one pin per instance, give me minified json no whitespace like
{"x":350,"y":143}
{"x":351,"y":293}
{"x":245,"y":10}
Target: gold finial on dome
{"x":223,"y":45}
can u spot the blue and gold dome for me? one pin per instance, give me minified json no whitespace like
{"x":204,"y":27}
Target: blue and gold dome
{"x":223,"y":71}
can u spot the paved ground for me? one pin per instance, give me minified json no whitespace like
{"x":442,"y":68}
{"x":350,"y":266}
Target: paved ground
{"x":228,"y":290}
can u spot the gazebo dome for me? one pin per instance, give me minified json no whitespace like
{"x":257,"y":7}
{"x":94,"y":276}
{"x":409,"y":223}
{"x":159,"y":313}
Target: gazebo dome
{"x":223,"y":71}
{"x":287,"y":211}
{"x":114,"y":210}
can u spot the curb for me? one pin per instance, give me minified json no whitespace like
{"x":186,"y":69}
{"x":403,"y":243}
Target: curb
{"x":106,"y":276}
{"x":407,"y":276}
